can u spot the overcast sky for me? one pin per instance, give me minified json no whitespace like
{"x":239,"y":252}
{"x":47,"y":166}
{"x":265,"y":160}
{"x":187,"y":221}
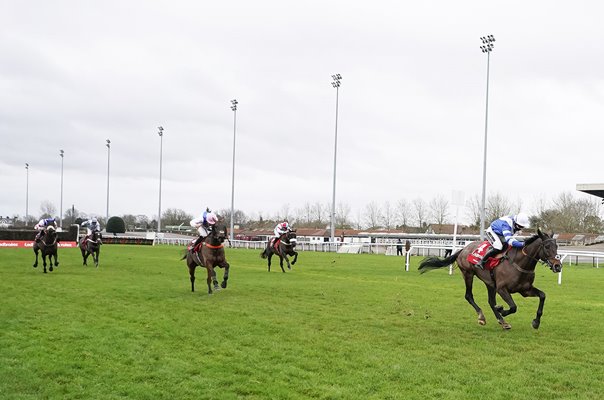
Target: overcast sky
{"x":411,"y":103}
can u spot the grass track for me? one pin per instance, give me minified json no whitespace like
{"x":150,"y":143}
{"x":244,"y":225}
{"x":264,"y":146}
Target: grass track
{"x":335,"y":327}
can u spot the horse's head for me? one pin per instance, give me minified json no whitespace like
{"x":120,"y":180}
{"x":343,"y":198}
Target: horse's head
{"x":290,"y":237}
{"x":219,"y":232}
{"x":547,"y":250}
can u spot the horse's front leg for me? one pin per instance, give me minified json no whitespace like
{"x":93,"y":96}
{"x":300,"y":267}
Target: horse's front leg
{"x":225,"y":277}
{"x":493,"y":303}
{"x":281,"y":262}
{"x":210,"y":271}
{"x":295,"y":258}
{"x":287,"y":261}
{"x":192,"y":275}
{"x":36,"y":263}
{"x":44,"y":261}
{"x":95,"y":256}
{"x":534,"y":292}
{"x":214,"y":280}
{"x":270,"y":256}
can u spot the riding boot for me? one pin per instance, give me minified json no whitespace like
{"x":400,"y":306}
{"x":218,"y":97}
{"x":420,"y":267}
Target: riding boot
{"x":196,"y":242}
{"x":492,"y":252}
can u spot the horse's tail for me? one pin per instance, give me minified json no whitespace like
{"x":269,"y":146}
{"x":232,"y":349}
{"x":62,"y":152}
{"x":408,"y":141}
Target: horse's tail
{"x":264,"y":253}
{"x":183,"y":254}
{"x":430,"y":263}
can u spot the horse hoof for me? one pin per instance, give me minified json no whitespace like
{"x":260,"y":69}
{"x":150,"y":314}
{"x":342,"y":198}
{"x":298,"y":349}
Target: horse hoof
{"x":505,"y":325}
{"x":224,"y":285}
{"x":536,"y":324}
{"x":51,"y":269}
{"x":482,"y":322}
{"x":35,"y":265}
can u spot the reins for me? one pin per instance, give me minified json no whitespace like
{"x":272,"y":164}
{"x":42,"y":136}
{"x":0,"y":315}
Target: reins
{"x":524,"y":253}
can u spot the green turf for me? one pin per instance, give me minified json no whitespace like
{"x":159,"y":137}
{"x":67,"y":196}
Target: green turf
{"x":335,"y":327}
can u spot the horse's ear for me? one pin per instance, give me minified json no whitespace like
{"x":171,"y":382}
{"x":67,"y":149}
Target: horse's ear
{"x":539,"y":232}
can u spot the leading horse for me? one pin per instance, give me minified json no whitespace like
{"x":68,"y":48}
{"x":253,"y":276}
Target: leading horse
{"x":91,"y":246}
{"x":48,"y":247}
{"x":209,"y":254}
{"x":515,"y":274}
{"x":282,"y":247}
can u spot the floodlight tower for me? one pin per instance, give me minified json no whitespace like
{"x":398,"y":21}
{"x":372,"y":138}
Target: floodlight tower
{"x":108,"y":144}
{"x":234,"y":103}
{"x":160,"y":132}
{"x":487,"y":47}
{"x":62,"y":154}
{"x":336,"y":84}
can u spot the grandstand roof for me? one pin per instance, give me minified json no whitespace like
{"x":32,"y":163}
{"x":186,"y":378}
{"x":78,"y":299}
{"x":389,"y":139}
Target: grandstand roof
{"x":595,"y":189}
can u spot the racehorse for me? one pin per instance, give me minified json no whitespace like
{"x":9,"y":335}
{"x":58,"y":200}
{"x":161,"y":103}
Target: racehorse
{"x":48,"y":247}
{"x":91,"y":246}
{"x":283,"y":247}
{"x":209,"y":254}
{"x":514,"y":274}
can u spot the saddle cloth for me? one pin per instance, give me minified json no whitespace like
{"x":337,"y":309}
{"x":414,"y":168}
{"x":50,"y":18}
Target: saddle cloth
{"x":475,"y":256}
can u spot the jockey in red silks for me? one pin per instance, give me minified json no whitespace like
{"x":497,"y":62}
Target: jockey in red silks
{"x":280,"y":229}
{"x":501,"y":235}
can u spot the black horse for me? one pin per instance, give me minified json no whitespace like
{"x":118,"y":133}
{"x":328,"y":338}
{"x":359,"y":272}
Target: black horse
{"x":515,"y":274}
{"x":91,"y":246}
{"x":48,"y":247}
{"x":209,"y":254}
{"x":283,"y":247}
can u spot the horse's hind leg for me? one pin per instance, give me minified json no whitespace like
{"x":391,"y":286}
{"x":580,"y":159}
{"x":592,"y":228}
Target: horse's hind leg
{"x":270,"y":256}
{"x":287,"y":261}
{"x":57,"y":259}
{"x":192,"y":276}
{"x":507,"y":297}
{"x":281,"y":263}
{"x":469,"y":279}
{"x":534,"y":292}
{"x":492,"y":302}
{"x":36,"y":263}
{"x":44,"y":262}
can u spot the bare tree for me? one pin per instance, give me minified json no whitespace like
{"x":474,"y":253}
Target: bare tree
{"x":403,"y":212}
{"x":342,"y":212}
{"x":421,"y":211}
{"x":48,"y":209}
{"x":439,"y":208}
{"x":387,"y":216}
{"x":373,"y":215}
{"x":473,"y":205}
{"x":319,"y":212}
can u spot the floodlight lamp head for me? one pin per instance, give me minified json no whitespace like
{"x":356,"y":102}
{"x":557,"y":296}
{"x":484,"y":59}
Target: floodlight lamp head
{"x":160,"y":131}
{"x":26,"y":165}
{"x":61,"y":152}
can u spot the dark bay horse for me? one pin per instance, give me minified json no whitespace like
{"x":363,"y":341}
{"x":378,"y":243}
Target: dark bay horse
{"x":48,"y":247}
{"x":209,"y":254}
{"x":283,"y":247}
{"x":515,"y":274}
{"x":91,"y":246}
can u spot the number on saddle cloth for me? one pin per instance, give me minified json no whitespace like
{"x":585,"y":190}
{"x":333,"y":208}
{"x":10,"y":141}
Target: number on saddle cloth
{"x":478,"y":253}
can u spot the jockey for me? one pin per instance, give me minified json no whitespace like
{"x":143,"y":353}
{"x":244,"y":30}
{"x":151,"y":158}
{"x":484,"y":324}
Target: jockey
{"x":501,"y":235}
{"x":92,"y":225}
{"x":203,"y":225}
{"x":42,"y":226}
{"x":280,"y":229}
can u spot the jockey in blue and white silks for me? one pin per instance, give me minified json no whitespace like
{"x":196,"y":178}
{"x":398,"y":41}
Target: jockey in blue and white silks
{"x":203,"y":225}
{"x":501,"y":234}
{"x":42,"y":225}
{"x":92,"y":225}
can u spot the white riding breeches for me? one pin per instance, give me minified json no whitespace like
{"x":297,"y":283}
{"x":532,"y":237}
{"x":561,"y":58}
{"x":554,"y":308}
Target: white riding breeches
{"x":493,"y":238}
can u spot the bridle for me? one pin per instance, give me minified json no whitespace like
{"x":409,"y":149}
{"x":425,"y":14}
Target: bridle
{"x":541,"y":258}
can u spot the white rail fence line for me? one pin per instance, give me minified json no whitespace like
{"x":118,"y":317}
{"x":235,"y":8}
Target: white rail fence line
{"x":390,"y":249}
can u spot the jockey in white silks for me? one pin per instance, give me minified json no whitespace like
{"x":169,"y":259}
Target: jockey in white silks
{"x":204,"y":225}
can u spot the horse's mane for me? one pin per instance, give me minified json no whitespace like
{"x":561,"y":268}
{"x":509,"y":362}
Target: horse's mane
{"x":531,"y":239}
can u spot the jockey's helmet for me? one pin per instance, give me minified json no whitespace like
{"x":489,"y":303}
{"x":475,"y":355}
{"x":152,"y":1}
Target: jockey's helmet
{"x":284,"y":225}
{"x":211,"y":218}
{"x":522,"y":220}
{"x":94,"y":220}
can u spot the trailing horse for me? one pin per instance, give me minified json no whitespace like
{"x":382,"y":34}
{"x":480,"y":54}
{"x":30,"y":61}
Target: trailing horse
{"x":514,"y":274}
{"x":48,"y":247}
{"x":91,"y":246}
{"x":209,"y":254}
{"x":284,"y":246}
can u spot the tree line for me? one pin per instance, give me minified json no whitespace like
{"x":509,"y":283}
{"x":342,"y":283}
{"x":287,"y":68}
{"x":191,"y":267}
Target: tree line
{"x":564,"y":213}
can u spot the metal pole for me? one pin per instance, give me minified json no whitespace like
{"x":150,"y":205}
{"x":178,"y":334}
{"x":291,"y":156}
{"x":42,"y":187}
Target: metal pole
{"x":161,"y":143}
{"x":234,"y":103}
{"x":108,"y":164}
{"x":336,"y":83}
{"x":26,"y":193}
{"x":487,"y":48}
{"x":61,"y":153}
